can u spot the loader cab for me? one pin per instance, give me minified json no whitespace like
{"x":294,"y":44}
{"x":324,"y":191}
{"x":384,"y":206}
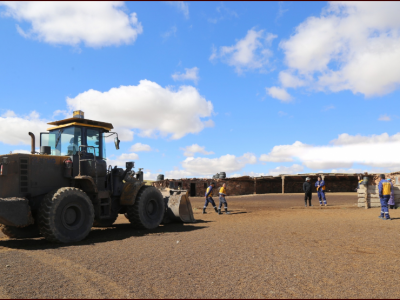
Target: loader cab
{"x":76,"y":134}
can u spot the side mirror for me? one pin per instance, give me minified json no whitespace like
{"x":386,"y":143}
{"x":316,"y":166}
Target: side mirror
{"x":116,"y":141}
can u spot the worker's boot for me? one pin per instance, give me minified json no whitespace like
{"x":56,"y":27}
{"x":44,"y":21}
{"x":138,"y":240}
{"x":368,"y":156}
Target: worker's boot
{"x":226,"y":211}
{"x":204,"y":210}
{"x":219,"y":211}
{"x":215,"y":208}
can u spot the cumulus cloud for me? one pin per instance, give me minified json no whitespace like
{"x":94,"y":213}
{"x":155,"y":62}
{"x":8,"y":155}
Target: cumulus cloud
{"x":140,"y":147}
{"x":224,"y":13}
{"x":122,"y":159}
{"x":294,"y":169}
{"x":14,"y":129}
{"x":182,"y":6}
{"x":350,"y":46}
{"x":226,"y":163}
{"x":193,"y":149}
{"x":384,"y":118}
{"x":250,"y":53}
{"x":347,"y":139}
{"x":190,"y":74}
{"x":378,"y":151}
{"x":147,"y":107}
{"x":95,"y":24}
{"x":279,"y":93}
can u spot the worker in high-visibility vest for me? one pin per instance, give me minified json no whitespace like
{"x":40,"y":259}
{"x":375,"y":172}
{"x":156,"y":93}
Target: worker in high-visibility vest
{"x":209,"y":199}
{"x":385,"y":188}
{"x":222,"y":200}
{"x":320,"y":185}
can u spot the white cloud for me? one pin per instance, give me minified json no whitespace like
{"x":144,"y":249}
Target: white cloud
{"x":95,"y":24}
{"x":384,"y":118}
{"x":122,"y":159}
{"x":329,"y":107}
{"x":346,"y":139}
{"x":226,"y":163}
{"x":377,"y":151}
{"x":170,"y":32}
{"x":294,"y":169}
{"x":250,"y":53}
{"x":279,"y":93}
{"x":350,"y":46}
{"x":147,"y":107}
{"x":190,"y":74}
{"x":191,"y":150}
{"x":140,"y":147}
{"x":14,"y":129}
{"x":182,"y":6}
{"x":288,"y":80}
{"x":223,"y":13}
{"x":178,"y":174}
{"x":22,"y":151}
{"x":284,"y":153}
{"x":351,"y":171}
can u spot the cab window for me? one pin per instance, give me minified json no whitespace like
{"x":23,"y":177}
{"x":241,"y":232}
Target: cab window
{"x":93,"y":139}
{"x":63,"y":141}
{"x":70,"y":140}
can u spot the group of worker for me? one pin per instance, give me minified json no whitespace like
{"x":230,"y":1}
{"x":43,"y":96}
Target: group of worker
{"x":320,"y":186}
{"x":222,"y":200}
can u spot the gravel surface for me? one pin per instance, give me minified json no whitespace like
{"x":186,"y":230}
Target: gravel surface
{"x":269,"y":247}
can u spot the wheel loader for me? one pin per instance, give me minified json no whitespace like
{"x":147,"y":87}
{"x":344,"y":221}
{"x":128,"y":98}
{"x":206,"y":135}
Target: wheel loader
{"x":67,"y":188}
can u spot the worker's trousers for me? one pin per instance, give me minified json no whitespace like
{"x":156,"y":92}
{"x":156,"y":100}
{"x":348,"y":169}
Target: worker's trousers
{"x":209,"y":200}
{"x":307,"y":196}
{"x":222,"y":200}
{"x":321,"y":196}
{"x":384,"y":205}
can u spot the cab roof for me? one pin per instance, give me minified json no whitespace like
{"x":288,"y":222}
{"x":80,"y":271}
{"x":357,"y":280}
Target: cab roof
{"x":80,"y":122}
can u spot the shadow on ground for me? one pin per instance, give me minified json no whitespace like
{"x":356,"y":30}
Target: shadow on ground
{"x":101,"y":235}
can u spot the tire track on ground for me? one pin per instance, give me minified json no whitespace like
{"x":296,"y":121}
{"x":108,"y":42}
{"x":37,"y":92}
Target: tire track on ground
{"x":92,"y":284}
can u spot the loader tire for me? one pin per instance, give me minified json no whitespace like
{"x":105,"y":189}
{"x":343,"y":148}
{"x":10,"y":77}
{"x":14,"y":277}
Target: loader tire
{"x":66,"y":215}
{"x":105,"y":222}
{"x":148,"y":210}
{"x":31,"y":231}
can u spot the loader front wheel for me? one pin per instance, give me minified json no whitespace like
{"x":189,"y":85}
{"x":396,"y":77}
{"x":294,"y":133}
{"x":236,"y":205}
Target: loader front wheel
{"x":66,"y":215}
{"x":148,"y":210}
{"x":31,"y":231}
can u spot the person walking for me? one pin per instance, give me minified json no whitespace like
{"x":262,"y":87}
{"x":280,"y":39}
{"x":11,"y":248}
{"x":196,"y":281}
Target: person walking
{"x":209,"y":199}
{"x":222,"y":200}
{"x":307,"y":188}
{"x":320,"y":185}
{"x":391,"y":202}
{"x":385,"y":187}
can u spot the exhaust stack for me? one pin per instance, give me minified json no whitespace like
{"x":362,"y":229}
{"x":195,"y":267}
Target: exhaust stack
{"x":32,"y":142}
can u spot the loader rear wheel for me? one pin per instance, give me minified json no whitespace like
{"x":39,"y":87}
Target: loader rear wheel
{"x":66,"y":215}
{"x":31,"y":231}
{"x":148,"y":210}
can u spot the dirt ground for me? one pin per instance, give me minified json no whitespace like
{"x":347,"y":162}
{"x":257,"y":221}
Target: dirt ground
{"x":271,"y":246}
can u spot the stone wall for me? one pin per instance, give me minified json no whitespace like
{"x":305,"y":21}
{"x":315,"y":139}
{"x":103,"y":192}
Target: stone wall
{"x":294,"y":184}
{"x":246,"y":185}
{"x":197,"y":187}
{"x":266,"y":186}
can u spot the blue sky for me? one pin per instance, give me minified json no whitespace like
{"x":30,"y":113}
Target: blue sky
{"x":196,"y":88}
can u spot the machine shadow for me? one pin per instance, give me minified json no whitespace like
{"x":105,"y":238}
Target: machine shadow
{"x":101,"y":235}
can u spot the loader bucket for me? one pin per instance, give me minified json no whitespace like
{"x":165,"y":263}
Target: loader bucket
{"x":178,"y":207}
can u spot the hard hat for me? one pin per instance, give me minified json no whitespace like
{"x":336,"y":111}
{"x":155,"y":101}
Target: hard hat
{"x":308,"y":178}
